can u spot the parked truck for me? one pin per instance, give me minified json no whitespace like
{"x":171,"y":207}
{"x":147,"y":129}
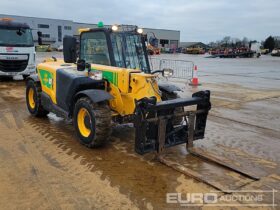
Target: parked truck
{"x":17,"y":51}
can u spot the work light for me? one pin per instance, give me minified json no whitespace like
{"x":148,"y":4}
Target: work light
{"x":167,"y":72}
{"x":96,"y":75}
{"x":140,"y":30}
{"x":115,"y":27}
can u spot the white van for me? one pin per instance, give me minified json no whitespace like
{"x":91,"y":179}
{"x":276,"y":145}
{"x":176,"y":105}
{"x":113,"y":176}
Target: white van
{"x":17,"y":51}
{"x":256,"y":49}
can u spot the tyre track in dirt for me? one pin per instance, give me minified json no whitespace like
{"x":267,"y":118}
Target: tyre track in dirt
{"x":35,"y":158}
{"x":26,"y":170}
{"x":79,"y":194}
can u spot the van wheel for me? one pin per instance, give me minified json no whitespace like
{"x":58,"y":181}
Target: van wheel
{"x":33,"y":99}
{"x":25,"y":77}
{"x":92,"y":122}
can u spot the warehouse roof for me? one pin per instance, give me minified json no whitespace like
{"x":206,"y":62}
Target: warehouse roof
{"x":12,"y":25}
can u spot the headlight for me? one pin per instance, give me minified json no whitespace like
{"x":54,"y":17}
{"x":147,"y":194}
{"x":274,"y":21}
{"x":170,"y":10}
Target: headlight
{"x":167,"y":72}
{"x":96,"y":75}
{"x":140,"y":30}
{"x":115,"y":27}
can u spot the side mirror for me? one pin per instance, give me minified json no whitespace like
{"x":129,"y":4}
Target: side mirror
{"x":69,"y":49}
{"x":39,"y":33}
{"x":81,"y":65}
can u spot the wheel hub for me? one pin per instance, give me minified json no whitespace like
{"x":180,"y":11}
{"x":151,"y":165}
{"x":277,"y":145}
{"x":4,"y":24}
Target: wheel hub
{"x":31,"y":98}
{"x":84,"y":122}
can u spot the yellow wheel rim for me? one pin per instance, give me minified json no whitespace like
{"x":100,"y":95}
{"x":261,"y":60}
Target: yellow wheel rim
{"x":81,"y":118}
{"x":31,"y":100}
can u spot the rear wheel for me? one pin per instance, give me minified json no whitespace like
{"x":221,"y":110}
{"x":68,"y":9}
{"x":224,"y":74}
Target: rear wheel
{"x":33,"y":99}
{"x":92,"y":122}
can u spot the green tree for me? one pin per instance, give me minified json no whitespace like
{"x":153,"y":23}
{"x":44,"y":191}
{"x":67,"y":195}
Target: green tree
{"x":245,"y":42}
{"x":269,"y":43}
{"x":226,"y":41}
{"x":277,"y":43}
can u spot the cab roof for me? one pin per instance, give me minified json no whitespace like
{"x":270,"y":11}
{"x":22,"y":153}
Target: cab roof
{"x":13,"y":25}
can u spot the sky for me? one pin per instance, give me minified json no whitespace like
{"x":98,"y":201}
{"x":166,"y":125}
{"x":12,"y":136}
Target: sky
{"x":198,"y":20}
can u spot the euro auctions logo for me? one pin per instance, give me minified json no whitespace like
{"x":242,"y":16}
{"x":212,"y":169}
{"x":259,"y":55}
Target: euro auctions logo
{"x":250,"y":198}
{"x":191,"y":199}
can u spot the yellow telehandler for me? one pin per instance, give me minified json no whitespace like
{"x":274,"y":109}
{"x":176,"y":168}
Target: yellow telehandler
{"x":110,"y":79}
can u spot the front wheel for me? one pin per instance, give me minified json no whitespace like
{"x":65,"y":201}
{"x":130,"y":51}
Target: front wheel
{"x":25,"y":77}
{"x":33,"y":99}
{"x":92,"y":122}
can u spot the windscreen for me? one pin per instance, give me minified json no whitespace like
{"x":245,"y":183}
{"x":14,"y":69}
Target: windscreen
{"x":94,"y":48}
{"x":129,"y":51}
{"x":16,"y":37}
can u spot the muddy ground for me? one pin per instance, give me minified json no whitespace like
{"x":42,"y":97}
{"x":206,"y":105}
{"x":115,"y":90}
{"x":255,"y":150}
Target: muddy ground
{"x":42,"y":166}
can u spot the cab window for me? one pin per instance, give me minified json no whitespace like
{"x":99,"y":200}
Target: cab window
{"x":94,"y":48}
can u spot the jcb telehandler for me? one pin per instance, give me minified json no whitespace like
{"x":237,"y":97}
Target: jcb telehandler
{"x":110,"y":80}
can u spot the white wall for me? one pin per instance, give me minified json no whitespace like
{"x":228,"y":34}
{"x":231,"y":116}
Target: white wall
{"x":54,"y":23}
{"x":170,"y":35}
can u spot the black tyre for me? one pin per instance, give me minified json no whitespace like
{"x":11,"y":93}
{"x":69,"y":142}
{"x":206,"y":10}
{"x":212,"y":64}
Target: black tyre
{"x":170,"y":96}
{"x":6,"y":78}
{"x":33,"y":99}
{"x":25,"y":77}
{"x":92,"y":122}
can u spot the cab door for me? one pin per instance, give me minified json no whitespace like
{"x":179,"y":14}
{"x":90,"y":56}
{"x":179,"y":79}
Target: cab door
{"x":96,"y":48}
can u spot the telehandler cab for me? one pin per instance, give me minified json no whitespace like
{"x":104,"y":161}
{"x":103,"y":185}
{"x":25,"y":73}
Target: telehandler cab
{"x":110,"y":80}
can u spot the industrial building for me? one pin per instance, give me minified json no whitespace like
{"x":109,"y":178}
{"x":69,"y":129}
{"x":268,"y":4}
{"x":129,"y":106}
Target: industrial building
{"x":193,"y":44}
{"x":53,"y":30}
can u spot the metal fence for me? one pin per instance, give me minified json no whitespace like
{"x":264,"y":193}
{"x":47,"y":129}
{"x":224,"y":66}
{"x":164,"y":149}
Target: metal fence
{"x":182,"y":69}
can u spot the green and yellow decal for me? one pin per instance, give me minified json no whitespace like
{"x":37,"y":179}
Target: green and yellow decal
{"x":112,"y":77}
{"x":46,"y":78}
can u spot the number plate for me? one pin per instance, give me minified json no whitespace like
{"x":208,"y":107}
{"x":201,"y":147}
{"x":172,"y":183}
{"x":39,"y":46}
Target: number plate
{"x":13,"y":57}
